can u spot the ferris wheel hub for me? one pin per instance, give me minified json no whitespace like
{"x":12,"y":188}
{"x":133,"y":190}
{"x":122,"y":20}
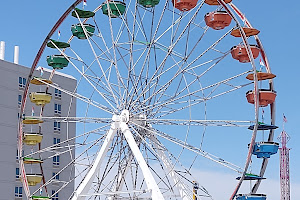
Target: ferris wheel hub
{"x":124,"y":117}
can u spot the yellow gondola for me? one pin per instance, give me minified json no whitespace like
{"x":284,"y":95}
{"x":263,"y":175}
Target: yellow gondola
{"x":32,"y":161}
{"x":34,"y":179}
{"x":40,"y":81}
{"x":40,"y":198}
{"x":32,"y":138}
{"x":40,"y":98}
{"x":28,"y":120}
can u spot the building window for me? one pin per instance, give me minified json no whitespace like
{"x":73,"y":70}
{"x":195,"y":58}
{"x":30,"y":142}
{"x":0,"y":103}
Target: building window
{"x":56,"y":160}
{"x":55,"y":176}
{"x":56,"y":127}
{"x":23,"y":116}
{"x":18,"y":192}
{"x":17,"y":156}
{"x":22,"y":82}
{"x":56,"y":141}
{"x":57,"y":109}
{"x":54,"y":195}
{"x":19,"y":100}
{"x":17,"y":173}
{"x":57,"y":94}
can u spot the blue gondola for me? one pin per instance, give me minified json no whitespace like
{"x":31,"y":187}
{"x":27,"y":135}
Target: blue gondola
{"x":263,"y":126}
{"x":265,"y":149}
{"x":251,"y":177}
{"x":251,"y":197}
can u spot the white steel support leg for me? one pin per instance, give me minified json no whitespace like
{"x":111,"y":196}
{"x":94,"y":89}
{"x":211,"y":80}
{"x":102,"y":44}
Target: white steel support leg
{"x":171,"y":173}
{"x":149,"y":179}
{"x":86,"y":183}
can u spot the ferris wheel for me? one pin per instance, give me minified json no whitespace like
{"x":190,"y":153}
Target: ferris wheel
{"x":161,"y":95}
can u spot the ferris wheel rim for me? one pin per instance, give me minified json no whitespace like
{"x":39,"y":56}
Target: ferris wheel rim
{"x":271,"y":82}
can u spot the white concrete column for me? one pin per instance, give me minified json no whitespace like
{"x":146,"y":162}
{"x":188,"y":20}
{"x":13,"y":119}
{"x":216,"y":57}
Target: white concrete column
{"x":2,"y":50}
{"x":16,"y":55}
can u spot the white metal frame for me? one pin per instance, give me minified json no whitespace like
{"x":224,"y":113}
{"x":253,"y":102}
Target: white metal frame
{"x":119,"y":123}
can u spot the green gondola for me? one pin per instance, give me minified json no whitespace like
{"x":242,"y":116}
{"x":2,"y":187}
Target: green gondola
{"x":57,"y":61}
{"x":116,"y":8}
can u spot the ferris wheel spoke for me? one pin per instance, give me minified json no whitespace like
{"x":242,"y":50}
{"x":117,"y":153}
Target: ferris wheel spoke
{"x":123,"y":168}
{"x":157,"y":99}
{"x":93,"y":143}
{"x":128,"y":80}
{"x":81,"y":97}
{"x":132,"y":39}
{"x":103,"y":41}
{"x":93,"y":78}
{"x":170,"y":49}
{"x":150,"y":46}
{"x":135,"y":82}
{"x":114,"y":49}
{"x":116,"y":157}
{"x":193,"y":93}
{"x":153,"y":42}
{"x":191,"y":148}
{"x":225,"y":123}
{"x":183,"y":69}
{"x":199,"y":6}
{"x":74,"y":119}
{"x":72,"y":179}
{"x":131,"y":74}
{"x":141,"y":25}
{"x":182,"y":79}
{"x":180,"y":99}
{"x":82,"y":75}
{"x":165,"y":155}
{"x":65,"y":142}
{"x":209,"y":48}
{"x":189,"y":64}
{"x":167,"y":163}
{"x":106,"y":52}
{"x":162,"y":88}
{"x":97,"y":59}
{"x":84,"y":72}
{"x":201,"y":100}
{"x":109,"y":165}
{"x":185,"y":89}
{"x":58,"y":150}
{"x":151,"y":83}
{"x":107,"y":95}
{"x":156,"y":150}
{"x":140,"y":28}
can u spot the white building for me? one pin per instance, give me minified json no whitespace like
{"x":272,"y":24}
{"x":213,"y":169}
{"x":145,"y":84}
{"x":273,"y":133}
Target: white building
{"x":13,"y":79}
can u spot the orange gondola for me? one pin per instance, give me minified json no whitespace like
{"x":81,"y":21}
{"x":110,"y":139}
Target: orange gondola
{"x":215,"y":2}
{"x":261,"y":76}
{"x":184,"y":5}
{"x":266,"y":97}
{"x":248,"y":32}
{"x":217,"y":20}
{"x":240,"y":53}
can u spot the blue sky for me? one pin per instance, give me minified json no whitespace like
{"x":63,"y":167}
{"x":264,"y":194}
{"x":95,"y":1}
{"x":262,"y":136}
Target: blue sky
{"x":26,"y":23}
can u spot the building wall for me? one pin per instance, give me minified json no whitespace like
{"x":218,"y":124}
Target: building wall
{"x":10,"y":90}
